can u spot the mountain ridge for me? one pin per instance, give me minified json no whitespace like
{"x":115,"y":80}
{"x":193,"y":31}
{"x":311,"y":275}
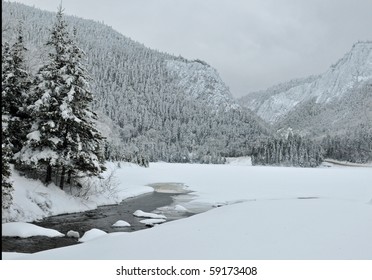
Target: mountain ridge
{"x":330,"y":103}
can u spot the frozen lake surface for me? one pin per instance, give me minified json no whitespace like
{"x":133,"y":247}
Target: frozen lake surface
{"x":254,"y":213}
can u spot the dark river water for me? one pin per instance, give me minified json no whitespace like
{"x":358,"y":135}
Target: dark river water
{"x":101,"y":218}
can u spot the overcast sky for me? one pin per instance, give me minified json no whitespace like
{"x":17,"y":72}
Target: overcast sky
{"x":253,"y":44}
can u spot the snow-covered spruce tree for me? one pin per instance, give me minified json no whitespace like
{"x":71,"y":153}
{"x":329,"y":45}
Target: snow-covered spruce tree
{"x":6,"y":147}
{"x":82,"y":142}
{"x":63,"y":137}
{"x":16,"y":83}
{"x":6,"y":153}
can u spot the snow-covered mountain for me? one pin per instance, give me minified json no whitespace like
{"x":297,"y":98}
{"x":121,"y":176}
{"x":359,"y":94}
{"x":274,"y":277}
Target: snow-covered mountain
{"x":299,"y":103}
{"x":201,"y":82}
{"x":162,"y":106}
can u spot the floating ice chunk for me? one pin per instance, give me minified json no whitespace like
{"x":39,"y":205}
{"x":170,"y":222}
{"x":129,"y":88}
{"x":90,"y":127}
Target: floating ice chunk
{"x":72,"y":233}
{"x":180,"y":208}
{"x":141,"y":214}
{"x":169,"y":187}
{"x":173,"y":208}
{"x":92,"y":234}
{"x":151,"y":222}
{"x":121,"y":223}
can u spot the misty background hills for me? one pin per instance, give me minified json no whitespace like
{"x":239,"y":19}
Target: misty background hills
{"x":333,"y":108}
{"x":162,"y":107}
{"x":335,"y":102}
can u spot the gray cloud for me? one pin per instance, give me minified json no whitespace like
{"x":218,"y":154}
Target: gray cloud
{"x":252,"y":43}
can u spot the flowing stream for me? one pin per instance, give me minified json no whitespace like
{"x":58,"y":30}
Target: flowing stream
{"x":101,"y":218}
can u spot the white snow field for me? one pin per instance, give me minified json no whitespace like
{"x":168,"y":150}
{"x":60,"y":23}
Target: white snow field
{"x":266,"y":213}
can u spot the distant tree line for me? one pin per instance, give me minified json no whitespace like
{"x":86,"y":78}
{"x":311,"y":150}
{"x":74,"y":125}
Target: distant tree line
{"x":292,"y":150}
{"x":296,"y":150}
{"x":354,"y":147}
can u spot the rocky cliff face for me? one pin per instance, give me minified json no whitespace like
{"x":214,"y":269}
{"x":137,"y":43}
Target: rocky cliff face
{"x":201,"y":82}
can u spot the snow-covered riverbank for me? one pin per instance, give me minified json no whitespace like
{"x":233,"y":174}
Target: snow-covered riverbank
{"x":33,"y":200}
{"x":267,"y":213}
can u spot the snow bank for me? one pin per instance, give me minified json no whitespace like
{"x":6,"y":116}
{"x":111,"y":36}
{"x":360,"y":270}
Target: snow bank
{"x":11,"y":255}
{"x":32,"y":200}
{"x":338,"y":163}
{"x":242,"y":161}
{"x":25,"y":230}
{"x":92,"y":234}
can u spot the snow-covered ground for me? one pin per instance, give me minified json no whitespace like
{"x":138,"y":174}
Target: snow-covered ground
{"x":266,"y":213}
{"x":33,"y":201}
{"x":25,"y":230}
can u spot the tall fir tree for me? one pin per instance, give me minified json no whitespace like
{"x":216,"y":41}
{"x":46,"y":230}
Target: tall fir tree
{"x":6,"y":146}
{"x":82,"y":142}
{"x":16,"y":85}
{"x":63,"y":137}
{"x":6,"y":154}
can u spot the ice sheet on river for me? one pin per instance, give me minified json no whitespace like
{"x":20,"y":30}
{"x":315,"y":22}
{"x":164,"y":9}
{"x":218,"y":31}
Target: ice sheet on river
{"x":167,"y":187}
{"x":151,"y":222}
{"x":142,"y":214}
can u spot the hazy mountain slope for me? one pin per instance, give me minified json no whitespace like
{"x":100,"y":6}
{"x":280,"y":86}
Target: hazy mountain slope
{"x":333,"y":118}
{"x":337,"y":98}
{"x":161,"y":106}
{"x":334,"y":109}
{"x":271,"y":104}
